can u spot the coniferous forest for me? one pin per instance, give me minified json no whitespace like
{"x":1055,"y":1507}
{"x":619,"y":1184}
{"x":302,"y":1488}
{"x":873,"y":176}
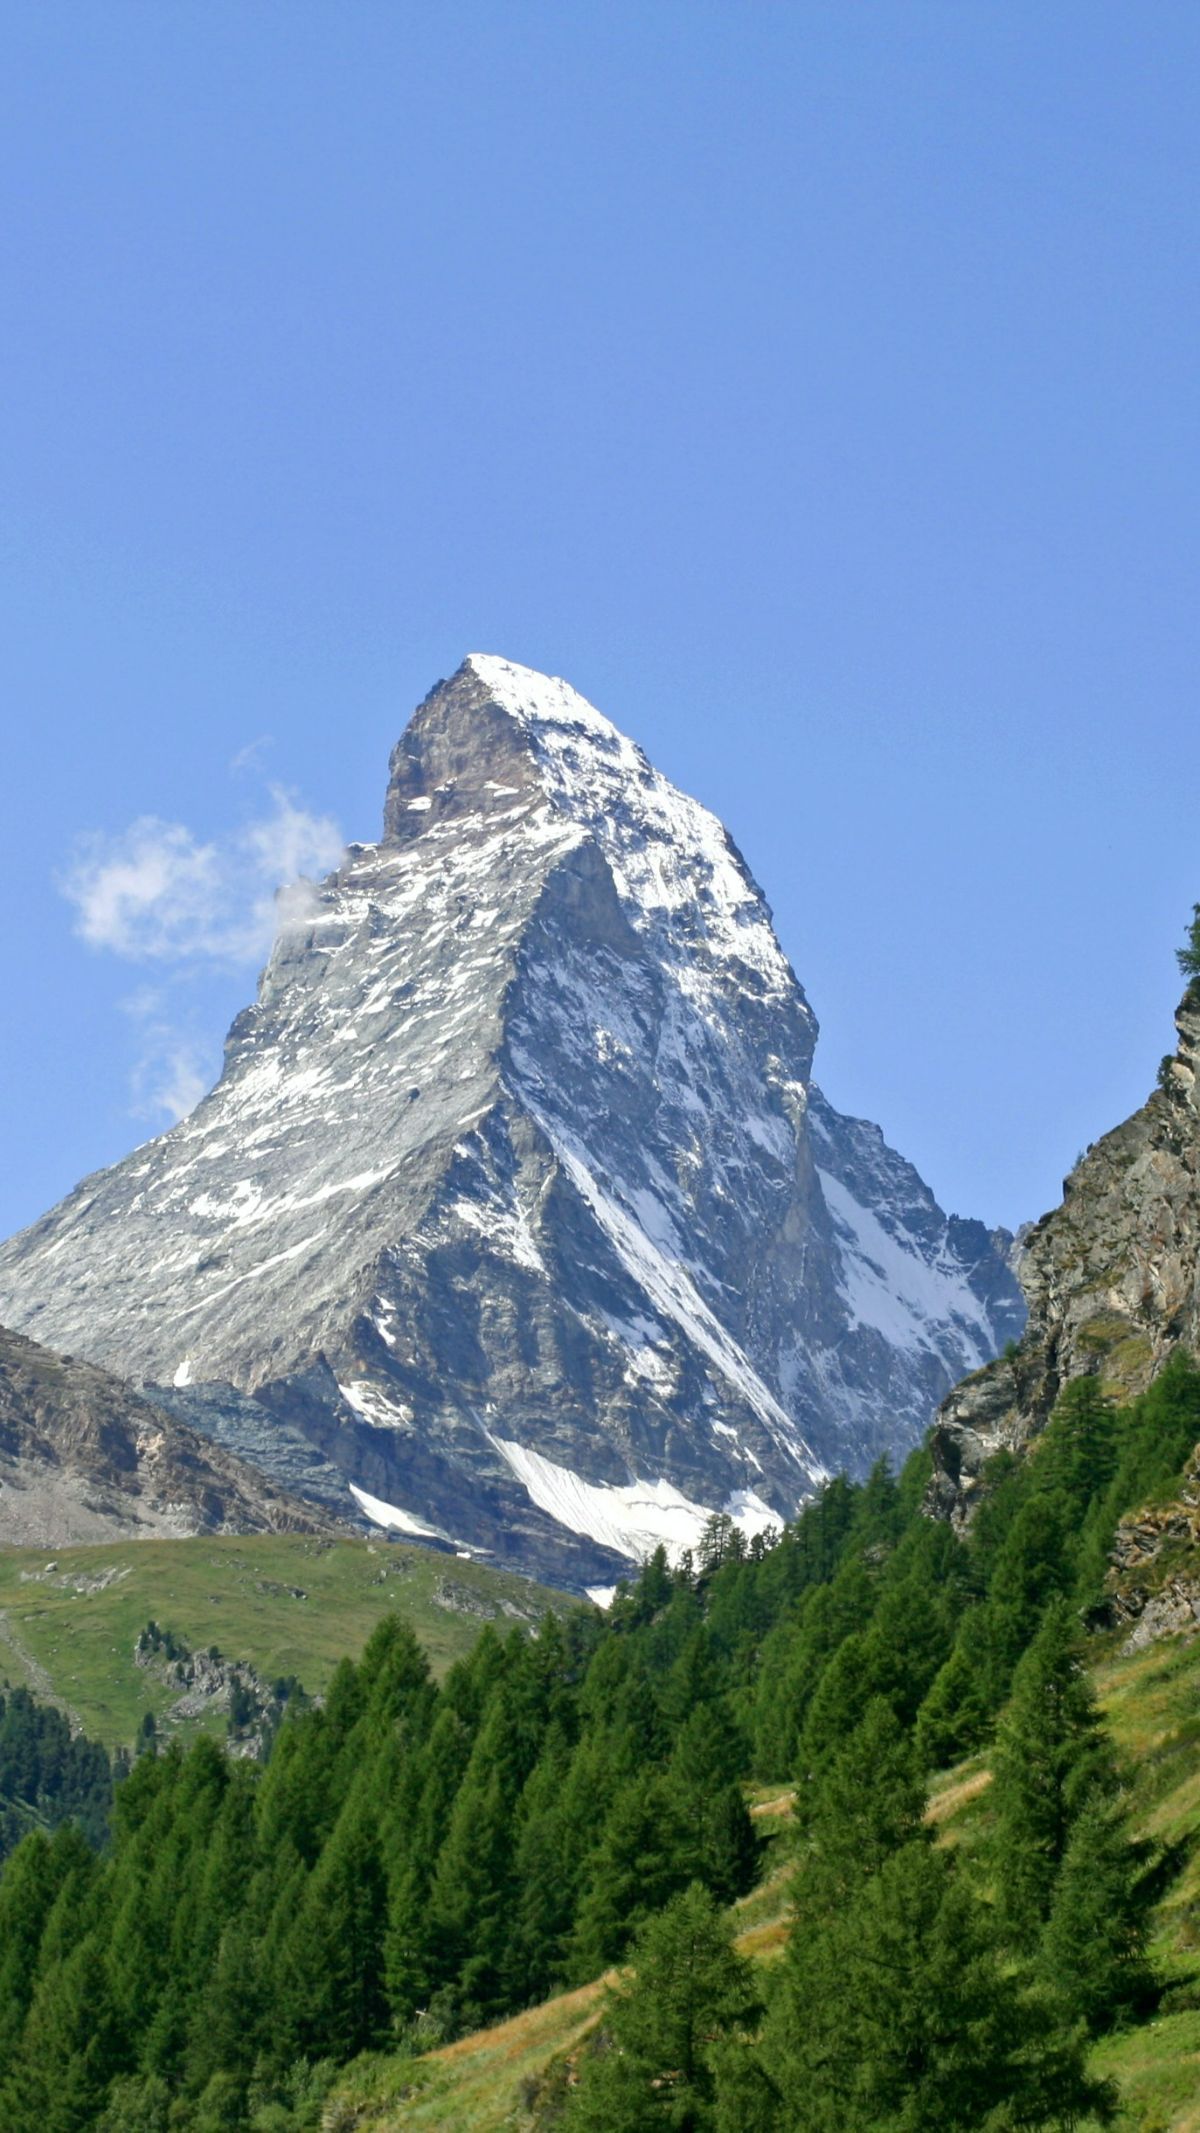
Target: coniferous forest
{"x":414,"y":1861}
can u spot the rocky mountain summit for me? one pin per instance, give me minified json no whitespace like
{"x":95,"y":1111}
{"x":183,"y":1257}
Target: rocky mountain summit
{"x":1112,"y":1280}
{"x":516,"y":1206}
{"x":83,"y":1458}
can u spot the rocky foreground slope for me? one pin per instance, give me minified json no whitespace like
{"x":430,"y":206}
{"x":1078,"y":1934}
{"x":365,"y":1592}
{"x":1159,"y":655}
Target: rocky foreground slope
{"x":515,"y":1205}
{"x":83,"y":1457}
{"x":1111,"y":1277}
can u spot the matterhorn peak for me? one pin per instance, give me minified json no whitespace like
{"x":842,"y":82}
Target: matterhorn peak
{"x":515,"y":1219}
{"x":543,"y":700}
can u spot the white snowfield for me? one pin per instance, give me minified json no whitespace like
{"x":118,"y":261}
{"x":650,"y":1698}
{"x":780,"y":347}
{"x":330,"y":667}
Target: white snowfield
{"x":634,"y":1519}
{"x":389,"y":1514}
{"x":891,"y":1287}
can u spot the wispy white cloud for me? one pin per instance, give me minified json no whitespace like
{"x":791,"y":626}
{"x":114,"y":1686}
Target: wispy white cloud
{"x":174,"y":1067}
{"x":169,"y":1083}
{"x":157,"y":893}
{"x":250,"y":757}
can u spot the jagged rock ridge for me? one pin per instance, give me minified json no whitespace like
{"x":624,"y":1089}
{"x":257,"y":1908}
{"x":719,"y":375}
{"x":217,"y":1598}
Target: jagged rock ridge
{"x":515,"y":1200}
{"x":1112,"y":1280}
{"x":85,"y":1458}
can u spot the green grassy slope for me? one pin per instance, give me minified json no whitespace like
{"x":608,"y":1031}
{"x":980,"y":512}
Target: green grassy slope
{"x":287,"y":1603}
{"x":490,"y":2082}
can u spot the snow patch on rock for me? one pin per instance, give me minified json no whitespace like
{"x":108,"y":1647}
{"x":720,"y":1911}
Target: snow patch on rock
{"x":633,"y":1519}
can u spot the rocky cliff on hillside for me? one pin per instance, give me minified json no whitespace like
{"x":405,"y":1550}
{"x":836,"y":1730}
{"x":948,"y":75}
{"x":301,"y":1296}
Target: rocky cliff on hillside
{"x":1153,"y":1587}
{"x":83,"y":1457}
{"x":515,"y":1204}
{"x":1111,"y":1278}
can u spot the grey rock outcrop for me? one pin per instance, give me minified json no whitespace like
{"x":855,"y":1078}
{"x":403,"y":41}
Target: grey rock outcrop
{"x":1153,"y":1586}
{"x":85,"y":1458}
{"x":515,"y":1204}
{"x":1111,"y":1277}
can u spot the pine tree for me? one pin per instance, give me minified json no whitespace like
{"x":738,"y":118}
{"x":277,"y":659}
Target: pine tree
{"x":956,"y":1714}
{"x":690,"y":1993}
{"x":705,"y":1767}
{"x":329,"y":1998}
{"x":471,"y":1896}
{"x":1093,"y":1952}
{"x":645,"y":1855}
{"x":895,"y":2014}
{"x":229,"y":2013}
{"x":71,"y":2049}
{"x":411,"y":1960}
{"x":867,"y":1804}
{"x":838,"y":1704}
{"x":1078,"y":1452}
{"x":1033,"y":1568}
{"x":1050,"y":1755}
{"x":544,"y":1877}
{"x":33,"y":1881}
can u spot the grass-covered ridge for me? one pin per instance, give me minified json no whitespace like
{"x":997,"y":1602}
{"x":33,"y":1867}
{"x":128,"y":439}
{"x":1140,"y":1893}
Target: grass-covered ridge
{"x":496,"y":2080}
{"x":289,"y":1604}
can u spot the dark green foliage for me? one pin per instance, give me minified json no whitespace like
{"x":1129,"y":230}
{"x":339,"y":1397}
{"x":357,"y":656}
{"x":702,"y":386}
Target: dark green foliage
{"x":1051,"y":1758}
{"x":1077,"y":1455}
{"x":1152,"y":1441}
{"x":708,"y":1759}
{"x":1094,"y":1948}
{"x":1188,"y":957}
{"x":46,"y":1775}
{"x":328,"y":1997}
{"x":1033,"y":1567}
{"x":417,"y":1859}
{"x":42,"y":1899}
{"x":869,"y":1802}
{"x":646,"y":1852}
{"x":690,"y":2001}
{"x":957,"y":1712}
{"x":895,"y":2011}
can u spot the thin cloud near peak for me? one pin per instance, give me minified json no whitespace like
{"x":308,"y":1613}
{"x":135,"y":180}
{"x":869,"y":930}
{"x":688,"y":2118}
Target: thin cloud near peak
{"x":157,"y":893}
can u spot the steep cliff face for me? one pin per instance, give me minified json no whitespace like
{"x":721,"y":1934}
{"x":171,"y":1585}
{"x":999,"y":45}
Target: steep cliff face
{"x":1112,"y":1281}
{"x":515,"y":1203}
{"x":83,"y":1457}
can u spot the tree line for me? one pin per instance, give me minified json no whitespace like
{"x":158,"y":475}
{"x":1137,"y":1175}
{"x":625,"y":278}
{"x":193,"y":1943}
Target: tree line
{"x":417,"y":1859}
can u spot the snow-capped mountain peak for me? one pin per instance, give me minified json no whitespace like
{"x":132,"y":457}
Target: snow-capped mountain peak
{"x":514,"y":1201}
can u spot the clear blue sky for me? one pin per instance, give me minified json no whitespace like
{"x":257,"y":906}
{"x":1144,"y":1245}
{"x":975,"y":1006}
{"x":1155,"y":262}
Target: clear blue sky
{"x":815,"y":386}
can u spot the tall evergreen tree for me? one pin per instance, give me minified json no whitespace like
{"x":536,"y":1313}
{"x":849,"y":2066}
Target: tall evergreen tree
{"x":329,"y":2000}
{"x":896,"y":2015}
{"x":1050,"y":1756}
{"x":957,"y":1712}
{"x":471,"y":1896}
{"x":546,"y":1867}
{"x":72,"y":2048}
{"x":866,"y":1805}
{"x":1034,"y":1567}
{"x":689,"y":1995}
{"x":31,"y":1887}
{"x":707,"y":1762}
{"x":1094,"y":1952}
{"x":645,"y":1855}
{"x":1078,"y":1453}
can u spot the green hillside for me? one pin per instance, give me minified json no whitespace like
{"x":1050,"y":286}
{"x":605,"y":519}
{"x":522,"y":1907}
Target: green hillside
{"x":288,"y":1604}
{"x":996,"y":1879}
{"x":500,"y":2080}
